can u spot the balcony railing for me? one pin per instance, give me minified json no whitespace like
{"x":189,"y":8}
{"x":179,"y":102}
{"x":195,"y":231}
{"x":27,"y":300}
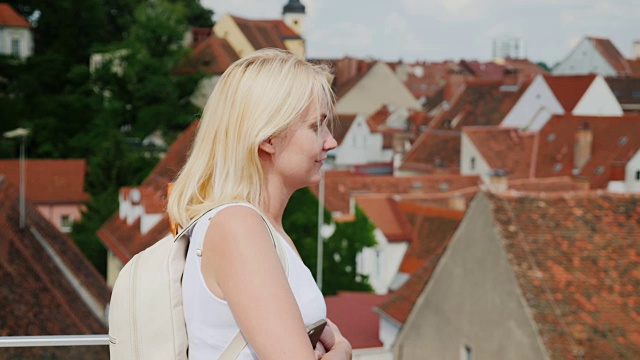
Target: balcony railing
{"x":55,"y":347}
{"x":53,"y":340}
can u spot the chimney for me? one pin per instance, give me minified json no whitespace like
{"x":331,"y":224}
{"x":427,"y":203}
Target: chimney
{"x":583,"y":182}
{"x":583,"y":146}
{"x":635,"y":50}
{"x":498,"y":180}
{"x":457,"y":202}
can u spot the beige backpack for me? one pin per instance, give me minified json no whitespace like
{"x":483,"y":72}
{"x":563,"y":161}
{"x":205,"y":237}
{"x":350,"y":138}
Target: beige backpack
{"x":146,"y":321}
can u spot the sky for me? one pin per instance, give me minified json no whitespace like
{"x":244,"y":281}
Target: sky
{"x":437,"y":30}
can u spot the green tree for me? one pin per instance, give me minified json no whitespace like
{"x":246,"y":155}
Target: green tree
{"x":300,"y":219}
{"x":74,"y":113}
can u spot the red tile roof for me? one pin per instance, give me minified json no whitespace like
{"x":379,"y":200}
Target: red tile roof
{"x":611,"y":54}
{"x":37,"y":298}
{"x":10,"y":17}
{"x":435,"y":151}
{"x":125,"y":240}
{"x":341,"y":185}
{"x":575,"y":259}
{"x":353,"y":313}
{"x":569,"y":89}
{"x":265,"y":33}
{"x":634,"y":66}
{"x":508,"y":149}
{"x":433,"y":226}
{"x":525,"y":68}
{"x":485,"y":70}
{"x":383,"y":212}
{"x":427,"y":79}
{"x":49,"y":181}
{"x":211,"y":56}
{"x":481,"y":102}
{"x":615,"y":140}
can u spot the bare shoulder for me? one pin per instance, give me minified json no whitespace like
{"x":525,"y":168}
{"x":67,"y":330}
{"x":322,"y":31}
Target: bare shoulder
{"x":235,"y":222}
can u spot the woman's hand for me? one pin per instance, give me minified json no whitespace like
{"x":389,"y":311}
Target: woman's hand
{"x":319,"y":351}
{"x":337,"y":346}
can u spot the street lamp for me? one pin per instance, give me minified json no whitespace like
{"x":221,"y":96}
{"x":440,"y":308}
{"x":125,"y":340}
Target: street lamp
{"x":21,"y":133}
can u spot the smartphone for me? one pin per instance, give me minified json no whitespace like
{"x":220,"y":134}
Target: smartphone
{"x":315,"y":330}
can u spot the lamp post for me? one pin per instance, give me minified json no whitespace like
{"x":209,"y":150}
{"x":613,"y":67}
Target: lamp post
{"x":324,"y":231}
{"x":21,"y":133}
{"x":320,"y":223}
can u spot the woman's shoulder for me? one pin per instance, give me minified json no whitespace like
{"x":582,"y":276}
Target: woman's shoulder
{"x":236,"y":218}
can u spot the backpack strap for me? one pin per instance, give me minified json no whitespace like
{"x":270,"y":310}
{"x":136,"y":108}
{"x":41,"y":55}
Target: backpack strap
{"x":238,"y":342}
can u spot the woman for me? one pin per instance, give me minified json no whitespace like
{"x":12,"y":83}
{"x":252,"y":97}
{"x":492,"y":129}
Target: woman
{"x":263,"y":134}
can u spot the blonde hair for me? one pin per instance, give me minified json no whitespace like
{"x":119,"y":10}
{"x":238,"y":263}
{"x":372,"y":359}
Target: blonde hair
{"x":259,"y":96}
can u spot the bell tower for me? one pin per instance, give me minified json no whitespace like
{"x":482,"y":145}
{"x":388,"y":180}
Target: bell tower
{"x":293,"y":15}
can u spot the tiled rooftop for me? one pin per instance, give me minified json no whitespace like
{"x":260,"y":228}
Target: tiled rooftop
{"x":341,"y":185}
{"x":575,"y":257}
{"x":569,"y":89}
{"x":10,"y":17}
{"x":435,"y":151}
{"x":37,"y":298}
{"x":481,"y":102}
{"x":49,"y":181}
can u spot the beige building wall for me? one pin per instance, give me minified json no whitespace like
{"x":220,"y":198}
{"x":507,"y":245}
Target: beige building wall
{"x":380,"y":86}
{"x":472,"y":301}
{"x":114,"y":265}
{"x":296,"y":46}
{"x":226,"y":28}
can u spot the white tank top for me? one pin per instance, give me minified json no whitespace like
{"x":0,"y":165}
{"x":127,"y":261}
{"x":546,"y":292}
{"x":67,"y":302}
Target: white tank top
{"x":210,"y":323}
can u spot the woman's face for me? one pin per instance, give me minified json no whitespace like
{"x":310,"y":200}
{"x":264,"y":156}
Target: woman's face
{"x":301,"y":150}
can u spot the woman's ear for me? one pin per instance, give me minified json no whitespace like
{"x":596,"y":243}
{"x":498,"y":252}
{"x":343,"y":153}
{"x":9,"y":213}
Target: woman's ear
{"x":267,"y":146}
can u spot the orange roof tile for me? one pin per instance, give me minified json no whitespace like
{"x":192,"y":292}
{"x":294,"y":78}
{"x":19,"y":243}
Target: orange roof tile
{"x":212,"y":56}
{"x":506,"y":149}
{"x":10,"y":17}
{"x":49,"y":181}
{"x":575,"y":258}
{"x":265,"y":33}
{"x":383,"y":212}
{"x":353,"y":313}
{"x":481,"y":102}
{"x":435,"y":151}
{"x":37,"y":298}
{"x":615,"y":140}
{"x":634,"y":66}
{"x":341,"y":185}
{"x":569,"y":89}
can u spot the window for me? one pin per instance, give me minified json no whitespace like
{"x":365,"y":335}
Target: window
{"x":15,"y":47}
{"x":473,"y":163}
{"x":66,"y":223}
{"x":638,"y":175}
{"x":635,"y":94}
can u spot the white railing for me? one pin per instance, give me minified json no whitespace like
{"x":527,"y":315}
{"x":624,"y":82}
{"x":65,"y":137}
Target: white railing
{"x":53,"y":340}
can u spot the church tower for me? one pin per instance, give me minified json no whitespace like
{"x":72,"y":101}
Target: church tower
{"x":293,"y":15}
